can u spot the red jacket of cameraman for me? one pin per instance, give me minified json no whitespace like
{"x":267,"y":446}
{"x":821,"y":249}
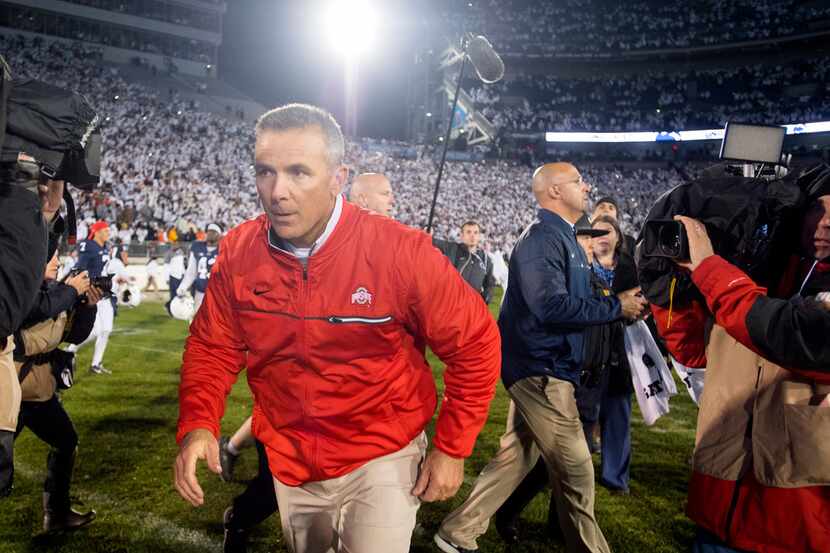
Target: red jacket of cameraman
{"x":335,"y":352}
{"x":761,"y":479}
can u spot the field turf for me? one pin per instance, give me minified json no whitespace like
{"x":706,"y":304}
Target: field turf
{"x":127,"y":422}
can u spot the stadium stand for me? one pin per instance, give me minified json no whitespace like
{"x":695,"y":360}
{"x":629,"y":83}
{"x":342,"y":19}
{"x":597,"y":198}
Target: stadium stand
{"x":658,"y":100}
{"x":173,"y":161}
{"x":604,"y":27}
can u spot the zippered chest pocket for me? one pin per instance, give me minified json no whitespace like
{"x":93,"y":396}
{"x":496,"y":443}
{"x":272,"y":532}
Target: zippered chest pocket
{"x":347,"y":319}
{"x":354,"y":346}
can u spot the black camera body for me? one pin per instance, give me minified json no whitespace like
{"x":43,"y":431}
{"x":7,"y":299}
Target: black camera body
{"x":103,"y":283}
{"x":53,"y":129}
{"x":57,"y":128}
{"x":665,"y":238}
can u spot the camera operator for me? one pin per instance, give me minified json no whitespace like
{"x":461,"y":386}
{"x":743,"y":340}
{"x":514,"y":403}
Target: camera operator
{"x":52,"y":299}
{"x":63,"y":311}
{"x":29,"y":226}
{"x":472,"y":262}
{"x":761,"y":466}
{"x":47,"y":136}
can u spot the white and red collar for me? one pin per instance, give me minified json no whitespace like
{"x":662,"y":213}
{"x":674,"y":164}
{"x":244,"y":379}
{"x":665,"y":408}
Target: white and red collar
{"x":305,"y":253}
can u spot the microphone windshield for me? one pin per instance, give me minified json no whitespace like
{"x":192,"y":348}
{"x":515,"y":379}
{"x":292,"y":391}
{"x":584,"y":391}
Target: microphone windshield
{"x":487,"y":63}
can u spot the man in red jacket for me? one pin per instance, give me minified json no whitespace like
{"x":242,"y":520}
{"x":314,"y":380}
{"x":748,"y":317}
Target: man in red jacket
{"x":329,"y":309}
{"x":761,"y":479}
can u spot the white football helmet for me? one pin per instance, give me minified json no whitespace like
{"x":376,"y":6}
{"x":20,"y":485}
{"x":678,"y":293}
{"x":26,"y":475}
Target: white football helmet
{"x":183,"y":308}
{"x":130,"y":296}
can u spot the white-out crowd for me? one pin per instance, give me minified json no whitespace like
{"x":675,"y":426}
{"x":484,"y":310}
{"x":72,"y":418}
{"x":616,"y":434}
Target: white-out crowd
{"x":167,"y":164}
{"x":595,"y":28}
{"x":657,"y":100}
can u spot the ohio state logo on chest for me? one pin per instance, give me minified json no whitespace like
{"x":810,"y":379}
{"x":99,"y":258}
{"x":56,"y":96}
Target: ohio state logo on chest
{"x":361,"y":296}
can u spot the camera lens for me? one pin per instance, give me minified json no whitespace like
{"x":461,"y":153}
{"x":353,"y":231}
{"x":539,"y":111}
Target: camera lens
{"x":668,"y":240}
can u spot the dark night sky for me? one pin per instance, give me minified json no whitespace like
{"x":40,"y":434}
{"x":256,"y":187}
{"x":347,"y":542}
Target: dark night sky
{"x":277,"y":51}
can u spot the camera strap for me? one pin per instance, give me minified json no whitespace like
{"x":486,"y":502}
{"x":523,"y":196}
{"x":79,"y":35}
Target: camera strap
{"x":672,"y":287}
{"x":50,"y":358}
{"x":71,"y":223}
{"x":807,"y":278}
{"x":25,"y":369}
{"x":30,"y":362}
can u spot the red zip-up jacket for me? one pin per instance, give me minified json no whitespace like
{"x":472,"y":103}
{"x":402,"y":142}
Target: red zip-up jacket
{"x":747,"y":514}
{"x":335,"y":352}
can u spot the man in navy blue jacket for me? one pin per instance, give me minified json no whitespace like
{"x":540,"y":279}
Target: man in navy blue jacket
{"x":549,"y":304}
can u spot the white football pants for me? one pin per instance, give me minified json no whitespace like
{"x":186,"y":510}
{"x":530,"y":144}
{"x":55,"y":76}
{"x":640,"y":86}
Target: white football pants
{"x":100,"y":332}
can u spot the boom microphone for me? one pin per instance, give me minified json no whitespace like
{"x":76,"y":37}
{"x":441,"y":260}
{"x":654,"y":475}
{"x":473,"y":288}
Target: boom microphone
{"x":487,"y":63}
{"x":490,"y":69}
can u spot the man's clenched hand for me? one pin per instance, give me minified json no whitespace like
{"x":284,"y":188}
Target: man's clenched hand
{"x":440,"y":478}
{"x":632,"y":303}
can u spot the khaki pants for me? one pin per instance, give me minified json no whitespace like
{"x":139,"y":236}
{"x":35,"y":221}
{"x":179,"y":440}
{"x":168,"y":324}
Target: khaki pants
{"x":543,"y":420}
{"x":9,"y":386}
{"x":371,"y":509}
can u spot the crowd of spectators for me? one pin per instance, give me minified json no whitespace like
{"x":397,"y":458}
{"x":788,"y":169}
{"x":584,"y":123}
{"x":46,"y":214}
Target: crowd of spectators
{"x":497,"y":193}
{"x":606,"y":27}
{"x":170,"y":169}
{"x":654,"y":100}
{"x":165,"y":162}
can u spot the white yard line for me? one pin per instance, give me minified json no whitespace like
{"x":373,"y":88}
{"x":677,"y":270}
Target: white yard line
{"x":154,"y":350}
{"x":135,"y":331}
{"x":166,"y":530}
{"x":131,"y":331}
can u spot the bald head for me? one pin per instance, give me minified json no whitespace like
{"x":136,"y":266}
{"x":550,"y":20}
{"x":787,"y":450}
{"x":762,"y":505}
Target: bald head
{"x":559,"y":187}
{"x":372,"y":191}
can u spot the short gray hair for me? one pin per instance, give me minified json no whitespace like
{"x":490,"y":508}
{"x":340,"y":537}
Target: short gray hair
{"x":301,"y":116}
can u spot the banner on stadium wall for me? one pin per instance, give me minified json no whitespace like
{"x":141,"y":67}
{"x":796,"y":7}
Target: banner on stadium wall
{"x":670,"y":136}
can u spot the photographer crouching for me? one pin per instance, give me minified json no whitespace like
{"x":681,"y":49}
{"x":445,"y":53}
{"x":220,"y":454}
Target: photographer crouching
{"x":63,"y":312}
{"x":761,"y":479}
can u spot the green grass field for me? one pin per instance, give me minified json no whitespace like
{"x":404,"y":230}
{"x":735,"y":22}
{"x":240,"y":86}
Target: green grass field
{"x":127,"y":423}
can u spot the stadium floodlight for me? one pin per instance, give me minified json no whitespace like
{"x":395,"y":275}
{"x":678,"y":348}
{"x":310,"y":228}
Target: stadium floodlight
{"x":351,"y":26}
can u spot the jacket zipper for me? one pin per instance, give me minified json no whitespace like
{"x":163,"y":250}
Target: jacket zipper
{"x":315,"y":462}
{"x":304,"y":293}
{"x":307,"y":419}
{"x":335,"y":319}
{"x":466,"y":262}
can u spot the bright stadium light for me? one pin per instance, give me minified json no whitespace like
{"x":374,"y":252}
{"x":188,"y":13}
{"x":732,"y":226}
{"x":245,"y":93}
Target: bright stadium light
{"x":351,"y":26}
